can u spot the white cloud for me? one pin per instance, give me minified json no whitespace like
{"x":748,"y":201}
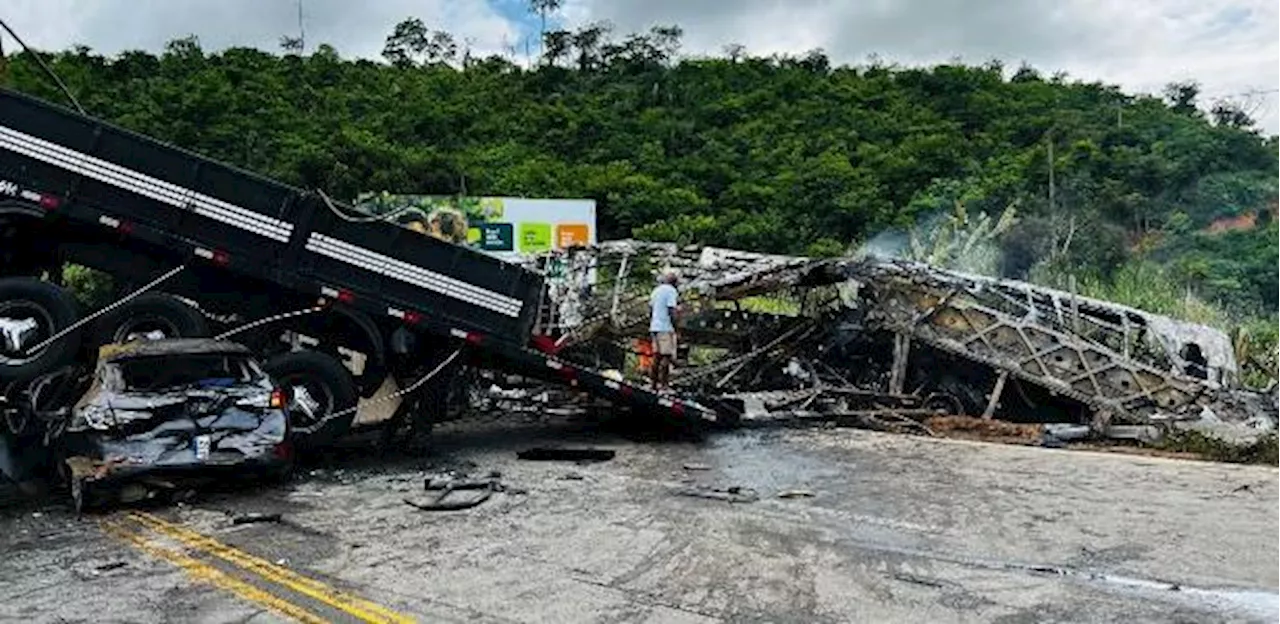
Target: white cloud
{"x":1229,"y":47}
{"x":356,"y":29}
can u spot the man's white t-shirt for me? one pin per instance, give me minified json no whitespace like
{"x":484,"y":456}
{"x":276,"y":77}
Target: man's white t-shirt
{"x":660,"y":302}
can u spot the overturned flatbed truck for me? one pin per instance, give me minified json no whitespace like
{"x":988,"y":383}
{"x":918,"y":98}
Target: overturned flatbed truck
{"x":217,"y":248}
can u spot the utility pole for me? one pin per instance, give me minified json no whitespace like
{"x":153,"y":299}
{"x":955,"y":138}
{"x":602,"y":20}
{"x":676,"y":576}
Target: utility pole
{"x":302,"y":32}
{"x":1052,"y":211}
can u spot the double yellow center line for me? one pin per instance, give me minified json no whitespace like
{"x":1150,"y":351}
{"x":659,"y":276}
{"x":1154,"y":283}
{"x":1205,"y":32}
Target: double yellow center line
{"x":268,"y":579}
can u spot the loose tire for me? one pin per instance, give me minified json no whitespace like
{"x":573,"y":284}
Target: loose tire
{"x":150,"y":312}
{"x":31,"y":311}
{"x":317,"y":385}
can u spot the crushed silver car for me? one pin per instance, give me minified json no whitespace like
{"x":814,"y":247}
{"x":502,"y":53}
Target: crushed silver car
{"x":171,"y":415}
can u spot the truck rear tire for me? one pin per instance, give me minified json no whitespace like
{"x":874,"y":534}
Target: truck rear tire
{"x":32,"y":311}
{"x":150,"y":312}
{"x":317,"y":385}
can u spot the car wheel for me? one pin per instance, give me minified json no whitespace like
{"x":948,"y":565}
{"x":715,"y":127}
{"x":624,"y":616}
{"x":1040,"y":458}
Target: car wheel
{"x":317,"y":386}
{"x":157,"y":315}
{"x":32,"y":311}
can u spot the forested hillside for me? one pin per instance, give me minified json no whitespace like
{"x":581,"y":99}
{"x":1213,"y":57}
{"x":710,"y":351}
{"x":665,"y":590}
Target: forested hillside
{"x":781,"y":154}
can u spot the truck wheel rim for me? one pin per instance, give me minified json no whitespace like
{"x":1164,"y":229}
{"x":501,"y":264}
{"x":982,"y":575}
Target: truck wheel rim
{"x":309,"y":403}
{"x":23,"y":324}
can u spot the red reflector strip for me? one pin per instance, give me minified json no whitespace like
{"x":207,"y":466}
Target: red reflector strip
{"x":409,"y":316}
{"x":677,"y":407}
{"x":343,"y":295}
{"x":215,"y":256}
{"x":474,"y":338}
{"x":49,"y":202}
{"x":123,"y":227}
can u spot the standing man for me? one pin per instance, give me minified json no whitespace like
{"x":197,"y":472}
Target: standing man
{"x":662,"y":328}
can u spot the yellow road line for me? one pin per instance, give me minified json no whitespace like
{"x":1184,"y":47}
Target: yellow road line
{"x":359,"y":608}
{"x":204,"y":572}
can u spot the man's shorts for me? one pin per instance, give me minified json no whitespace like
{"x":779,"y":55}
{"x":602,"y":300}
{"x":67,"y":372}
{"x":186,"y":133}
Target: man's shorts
{"x":664,"y":343}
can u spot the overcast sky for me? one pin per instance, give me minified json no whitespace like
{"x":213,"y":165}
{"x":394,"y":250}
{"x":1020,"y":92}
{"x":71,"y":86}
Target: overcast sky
{"x":1230,"y":46}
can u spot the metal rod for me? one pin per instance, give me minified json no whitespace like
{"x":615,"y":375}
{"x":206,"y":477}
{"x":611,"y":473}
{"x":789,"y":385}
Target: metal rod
{"x":84,"y":321}
{"x":994,"y":399}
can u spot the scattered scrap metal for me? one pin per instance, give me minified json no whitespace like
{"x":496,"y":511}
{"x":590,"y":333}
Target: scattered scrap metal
{"x":445,"y":486}
{"x":732,"y":494}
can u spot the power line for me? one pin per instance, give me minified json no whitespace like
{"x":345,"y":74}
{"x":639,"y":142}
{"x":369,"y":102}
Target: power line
{"x":44,"y":66}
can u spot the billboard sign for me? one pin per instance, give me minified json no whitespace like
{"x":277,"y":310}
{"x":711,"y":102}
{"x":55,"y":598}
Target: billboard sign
{"x":507,"y":227}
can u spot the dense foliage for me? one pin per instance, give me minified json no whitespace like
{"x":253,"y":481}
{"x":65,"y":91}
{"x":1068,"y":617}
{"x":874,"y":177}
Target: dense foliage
{"x":781,"y":154}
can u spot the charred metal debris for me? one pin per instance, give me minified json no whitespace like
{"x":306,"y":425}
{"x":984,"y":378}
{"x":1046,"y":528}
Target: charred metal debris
{"x":446,"y":485}
{"x":888,"y":343}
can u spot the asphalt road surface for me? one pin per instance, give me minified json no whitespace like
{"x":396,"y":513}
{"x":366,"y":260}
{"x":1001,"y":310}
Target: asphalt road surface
{"x":849,"y":526}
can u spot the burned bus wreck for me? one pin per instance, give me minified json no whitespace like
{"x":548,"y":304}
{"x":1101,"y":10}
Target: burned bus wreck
{"x":904,"y":340}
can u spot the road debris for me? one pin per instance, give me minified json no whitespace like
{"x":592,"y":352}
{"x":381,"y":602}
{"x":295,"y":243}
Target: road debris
{"x":732,"y":494}
{"x":567,"y":454}
{"x":918,"y":580}
{"x":696,"y":466}
{"x":253,"y":518}
{"x":447,"y":485}
{"x":796,"y":494}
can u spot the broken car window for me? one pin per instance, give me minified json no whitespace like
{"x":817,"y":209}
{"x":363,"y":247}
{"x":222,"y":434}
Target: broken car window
{"x":175,"y":371}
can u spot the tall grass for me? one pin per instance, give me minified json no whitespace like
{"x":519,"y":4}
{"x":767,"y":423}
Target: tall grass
{"x":1148,"y":286}
{"x":1144,"y":285}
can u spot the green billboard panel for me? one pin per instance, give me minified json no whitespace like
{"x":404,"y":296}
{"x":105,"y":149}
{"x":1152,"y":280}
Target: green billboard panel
{"x":535,"y":237}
